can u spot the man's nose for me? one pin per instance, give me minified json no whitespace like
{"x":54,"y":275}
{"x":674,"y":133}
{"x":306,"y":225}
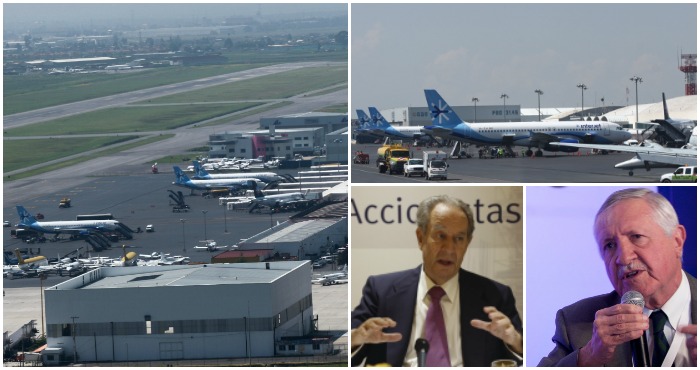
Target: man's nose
{"x":626,"y":252}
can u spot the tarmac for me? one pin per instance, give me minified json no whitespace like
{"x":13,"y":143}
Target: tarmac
{"x":581,"y":167}
{"x":138,"y":198}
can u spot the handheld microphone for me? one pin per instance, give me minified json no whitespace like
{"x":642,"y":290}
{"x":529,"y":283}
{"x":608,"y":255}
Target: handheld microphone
{"x":422,"y":346}
{"x":640,"y":349}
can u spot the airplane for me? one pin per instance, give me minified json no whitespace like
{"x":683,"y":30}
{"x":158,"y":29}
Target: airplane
{"x":181,"y":179}
{"x":366,"y":127}
{"x":540,"y":135}
{"x":677,"y":130}
{"x":650,"y":155}
{"x":279,"y":200}
{"x":27,"y":221}
{"x":201,"y":174}
{"x":383,"y":128}
{"x":209,"y":246}
{"x":37,"y":262}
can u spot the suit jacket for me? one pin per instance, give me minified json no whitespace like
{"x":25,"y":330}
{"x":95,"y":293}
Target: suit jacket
{"x":574,"y":328}
{"x":394,"y":295}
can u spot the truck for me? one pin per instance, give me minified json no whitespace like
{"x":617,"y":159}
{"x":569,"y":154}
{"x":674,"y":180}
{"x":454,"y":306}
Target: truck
{"x":682,"y":174}
{"x":392,"y":158}
{"x":414,"y":166}
{"x":435,"y":165}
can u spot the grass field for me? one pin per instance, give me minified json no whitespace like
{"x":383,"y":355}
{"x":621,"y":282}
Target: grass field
{"x":70,"y":162}
{"x":25,"y":93}
{"x":130,"y":119}
{"x":22,"y":153}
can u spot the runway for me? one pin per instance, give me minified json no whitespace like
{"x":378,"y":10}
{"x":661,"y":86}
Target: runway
{"x":579,"y":167}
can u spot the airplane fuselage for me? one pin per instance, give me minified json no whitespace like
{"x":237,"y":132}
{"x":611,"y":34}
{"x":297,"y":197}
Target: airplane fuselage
{"x":59,"y":227}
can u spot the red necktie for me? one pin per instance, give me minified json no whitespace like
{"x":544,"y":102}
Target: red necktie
{"x":435,"y":334}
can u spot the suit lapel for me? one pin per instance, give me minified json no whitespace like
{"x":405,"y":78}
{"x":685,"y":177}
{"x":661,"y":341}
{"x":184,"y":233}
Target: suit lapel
{"x":403,"y":303}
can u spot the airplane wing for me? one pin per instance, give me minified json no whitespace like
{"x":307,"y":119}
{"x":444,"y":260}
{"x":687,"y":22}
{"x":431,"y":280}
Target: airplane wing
{"x":673,"y":156}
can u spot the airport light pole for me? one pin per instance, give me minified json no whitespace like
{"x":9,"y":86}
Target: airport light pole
{"x":184,"y":249}
{"x":225,"y":222}
{"x":636,"y":80}
{"x":539,"y":113}
{"x":204,"y":212}
{"x":582,"y":87}
{"x":475,"y":100}
{"x":504,"y":97}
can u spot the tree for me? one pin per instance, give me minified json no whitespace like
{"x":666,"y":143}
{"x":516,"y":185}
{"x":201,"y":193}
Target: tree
{"x":341,"y":38}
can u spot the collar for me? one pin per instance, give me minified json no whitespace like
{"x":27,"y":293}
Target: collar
{"x":451,"y":286}
{"x":679,"y":301}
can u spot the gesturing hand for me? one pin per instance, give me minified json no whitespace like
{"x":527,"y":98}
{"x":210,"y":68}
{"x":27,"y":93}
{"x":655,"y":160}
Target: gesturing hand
{"x":371,"y":331}
{"x":500,"y":327}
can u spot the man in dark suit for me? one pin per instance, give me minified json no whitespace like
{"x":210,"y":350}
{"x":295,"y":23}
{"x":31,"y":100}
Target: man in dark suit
{"x":641,"y":243}
{"x":481,"y":320}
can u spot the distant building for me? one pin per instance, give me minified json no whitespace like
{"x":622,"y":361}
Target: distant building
{"x":179,"y":312}
{"x":253,"y":144}
{"x":328,"y":121}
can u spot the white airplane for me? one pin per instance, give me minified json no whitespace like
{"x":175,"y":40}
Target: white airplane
{"x":279,"y":200}
{"x":181,"y":179}
{"x":381,"y":127}
{"x":209,"y":246}
{"x":650,"y":155}
{"x":201,"y":174}
{"x":366,"y":126}
{"x":446,"y":123}
{"x":27,"y":221}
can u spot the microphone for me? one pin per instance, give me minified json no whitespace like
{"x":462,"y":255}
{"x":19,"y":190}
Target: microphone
{"x":640,"y":349}
{"x":422,"y":346}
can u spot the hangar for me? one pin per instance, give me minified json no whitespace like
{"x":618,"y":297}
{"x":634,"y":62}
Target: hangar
{"x":179,"y":312}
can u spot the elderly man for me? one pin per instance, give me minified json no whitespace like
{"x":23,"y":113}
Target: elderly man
{"x":641,"y":243}
{"x":467,"y":319}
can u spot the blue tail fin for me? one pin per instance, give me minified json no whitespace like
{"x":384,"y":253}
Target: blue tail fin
{"x":377,"y":118}
{"x":443,"y":115}
{"x":199,"y":171}
{"x":363,"y":118}
{"x":25,"y":218}
{"x":180,"y":176}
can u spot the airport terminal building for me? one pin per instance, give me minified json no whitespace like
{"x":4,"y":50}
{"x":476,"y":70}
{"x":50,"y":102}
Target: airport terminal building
{"x":178,"y":312}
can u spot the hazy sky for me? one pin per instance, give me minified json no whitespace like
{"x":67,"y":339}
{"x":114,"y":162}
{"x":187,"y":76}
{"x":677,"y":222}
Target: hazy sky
{"x":23,"y":16}
{"x":483,"y":51}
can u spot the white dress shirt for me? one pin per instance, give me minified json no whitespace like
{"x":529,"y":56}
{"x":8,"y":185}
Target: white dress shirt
{"x":450,"y":312}
{"x":677,"y":309}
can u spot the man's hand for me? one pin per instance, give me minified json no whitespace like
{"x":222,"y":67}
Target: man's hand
{"x":691,"y":342}
{"x":371,"y":331}
{"x":612,"y":326}
{"x":501,"y":327}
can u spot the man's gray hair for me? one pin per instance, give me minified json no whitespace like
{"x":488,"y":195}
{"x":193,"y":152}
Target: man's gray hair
{"x":663,"y":212}
{"x":427,"y":205}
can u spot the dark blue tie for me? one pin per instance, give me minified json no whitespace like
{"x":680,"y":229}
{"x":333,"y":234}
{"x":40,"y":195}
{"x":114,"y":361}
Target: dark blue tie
{"x":658,"y":321}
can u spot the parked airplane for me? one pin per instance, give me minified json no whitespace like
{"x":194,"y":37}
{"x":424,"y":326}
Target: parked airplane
{"x":209,"y":246}
{"x":650,"y":155}
{"x":31,"y":263}
{"x":382,"y":127}
{"x":446,"y":123}
{"x":181,"y":179}
{"x":27,"y":221}
{"x":201,"y":174}
{"x":279,"y":200}
{"x":366,"y":126}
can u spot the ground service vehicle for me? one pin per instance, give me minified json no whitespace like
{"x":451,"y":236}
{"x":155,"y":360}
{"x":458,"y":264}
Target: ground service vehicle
{"x":392,"y":158}
{"x":435,"y":165}
{"x":682,"y":174}
{"x":64,"y":203}
{"x":414,"y":166}
{"x":361,"y":158}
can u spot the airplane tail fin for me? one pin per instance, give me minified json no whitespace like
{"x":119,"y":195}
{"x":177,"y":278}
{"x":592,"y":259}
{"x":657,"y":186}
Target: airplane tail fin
{"x":180,"y":177}
{"x":20,"y":260}
{"x":258,"y":193}
{"x":362,"y":117}
{"x":666,"y":116}
{"x":377,"y":118}
{"x":441,"y":112}
{"x":25,"y":218}
{"x":199,"y":171}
